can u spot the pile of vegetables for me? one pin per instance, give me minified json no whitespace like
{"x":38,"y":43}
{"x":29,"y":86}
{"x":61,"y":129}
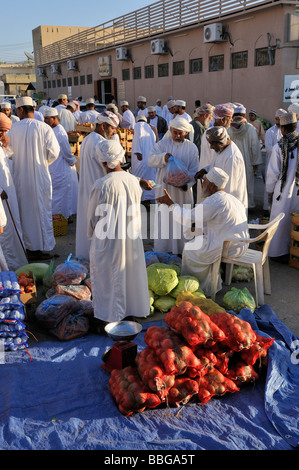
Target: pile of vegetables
{"x":195,"y":357}
{"x":26,"y":282}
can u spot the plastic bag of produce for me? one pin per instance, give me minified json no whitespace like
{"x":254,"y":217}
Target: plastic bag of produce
{"x":194,"y":325}
{"x":176,"y":173}
{"x":164,"y":303}
{"x":9,"y":284}
{"x":150,"y":258}
{"x":130,"y":393}
{"x":239,"y":334}
{"x":242,"y":273}
{"x":70,"y":327}
{"x":183,"y":390}
{"x":161,"y":278}
{"x":51,"y":311}
{"x":236,"y":299}
{"x":79,"y":292}
{"x":214,"y":384}
{"x":69,"y":272}
{"x":185,"y":284}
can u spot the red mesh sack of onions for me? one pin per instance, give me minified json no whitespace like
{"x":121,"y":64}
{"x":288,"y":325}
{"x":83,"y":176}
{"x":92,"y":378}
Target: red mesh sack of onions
{"x":239,"y":334}
{"x":223,"y":355}
{"x":153,"y":374}
{"x":175,"y":355}
{"x":241,"y":373}
{"x":194,"y":325}
{"x":130,"y":393}
{"x":258,"y":350}
{"x":214,"y":384}
{"x":183,"y":390}
{"x":207,"y":358}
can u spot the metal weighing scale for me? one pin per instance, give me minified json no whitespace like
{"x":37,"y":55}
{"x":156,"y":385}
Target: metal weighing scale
{"x":123,"y":353}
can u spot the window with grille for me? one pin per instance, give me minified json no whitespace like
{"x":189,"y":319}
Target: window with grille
{"x":149,"y":71}
{"x":262,"y":57}
{"x":137,"y":73}
{"x":89,"y":79}
{"x":195,"y":66}
{"x":82,"y":80}
{"x":178,"y":68}
{"x":239,"y":60}
{"x":163,"y":70}
{"x":216,"y":62}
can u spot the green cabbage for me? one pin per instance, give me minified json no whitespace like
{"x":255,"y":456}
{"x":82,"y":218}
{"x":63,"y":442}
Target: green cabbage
{"x":236,"y":299}
{"x":185,"y":284}
{"x":164,"y":303}
{"x":162,"y":278}
{"x":242,"y":273}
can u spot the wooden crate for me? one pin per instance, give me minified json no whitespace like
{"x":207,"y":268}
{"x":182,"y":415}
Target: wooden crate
{"x":85,"y":129}
{"x":60,"y":226}
{"x":294,"y":249}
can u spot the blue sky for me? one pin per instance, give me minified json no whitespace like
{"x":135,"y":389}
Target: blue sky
{"x":16,"y":32}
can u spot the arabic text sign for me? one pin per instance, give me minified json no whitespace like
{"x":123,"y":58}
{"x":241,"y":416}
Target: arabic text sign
{"x":291,"y":89}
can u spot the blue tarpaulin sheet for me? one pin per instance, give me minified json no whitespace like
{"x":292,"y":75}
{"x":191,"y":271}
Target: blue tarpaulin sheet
{"x":61,"y":401}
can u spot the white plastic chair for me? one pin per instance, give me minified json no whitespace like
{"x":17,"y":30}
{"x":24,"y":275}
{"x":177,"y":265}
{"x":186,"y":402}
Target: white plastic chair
{"x":257,"y":260}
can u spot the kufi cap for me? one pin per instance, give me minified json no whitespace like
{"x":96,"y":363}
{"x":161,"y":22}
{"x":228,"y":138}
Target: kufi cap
{"x":5,"y":105}
{"x":280,"y":112}
{"x":181,"y":124}
{"x":90,"y":101}
{"x":252,"y":111}
{"x":34,"y":104}
{"x":110,"y":152}
{"x":62,"y":97}
{"x":288,"y":118}
{"x":151,"y":109}
{"x":141,"y":117}
{"x":108,"y":117}
{"x":142,"y":99}
{"x":204,"y":109}
{"x":217,"y":134}
{"x":112,"y":106}
{"x":124,"y":103}
{"x":180,"y":103}
{"x":72,"y":105}
{"x":50,"y":112}
{"x":223,"y":110}
{"x":24,"y":101}
{"x":5,"y":122}
{"x":218,"y":176}
{"x":171,"y":104}
{"x":240,"y":110}
{"x":294,"y":108}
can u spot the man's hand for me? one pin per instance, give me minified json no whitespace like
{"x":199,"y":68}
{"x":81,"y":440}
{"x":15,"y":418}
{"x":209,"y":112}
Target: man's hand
{"x":200,"y":174}
{"x":139,"y":156}
{"x":167,"y":157}
{"x":4,"y":139}
{"x":145,"y":184}
{"x":166,"y":199}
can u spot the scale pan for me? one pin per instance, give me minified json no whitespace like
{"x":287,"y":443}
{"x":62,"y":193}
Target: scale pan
{"x":123,"y":330}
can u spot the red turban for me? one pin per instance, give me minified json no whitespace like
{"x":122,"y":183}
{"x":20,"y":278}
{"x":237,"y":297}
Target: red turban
{"x":5,"y":122}
{"x":223,"y":110}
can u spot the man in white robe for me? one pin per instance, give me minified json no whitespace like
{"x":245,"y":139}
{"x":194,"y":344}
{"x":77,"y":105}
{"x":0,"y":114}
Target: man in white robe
{"x":35,"y":147}
{"x":37,"y":114}
{"x":12,"y":238}
{"x":143,"y":142}
{"x":169,"y":237}
{"x":91,"y":169}
{"x":60,"y":170}
{"x":245,"y":137}
{"x":66,"y":117}
{"x":62,"y":101}
{"x":6,"y":109}
{"x":227,"y":156}
{"x":90,"y":115}
{"x":117,"y":263}
{"x":217,"y":219}
{"x":272,"y":137}
{"x":282,"y":183}
{"x":181,"y":110}
{"x":128,"y":117}
{"x":167,"y":115}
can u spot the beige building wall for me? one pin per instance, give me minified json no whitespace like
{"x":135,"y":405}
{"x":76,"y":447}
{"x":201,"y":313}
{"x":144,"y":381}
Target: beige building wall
{"x":17,"y":77}
{"x":258,"y":87}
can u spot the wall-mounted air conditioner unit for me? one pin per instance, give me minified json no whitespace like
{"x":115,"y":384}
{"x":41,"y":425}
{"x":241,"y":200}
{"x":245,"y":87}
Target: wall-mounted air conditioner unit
{"x":213,"y":32}
{"x":158,"y":46}
{"x":121,"y":53}
{"x":72,"y":65}
{"x":55,"y":68}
